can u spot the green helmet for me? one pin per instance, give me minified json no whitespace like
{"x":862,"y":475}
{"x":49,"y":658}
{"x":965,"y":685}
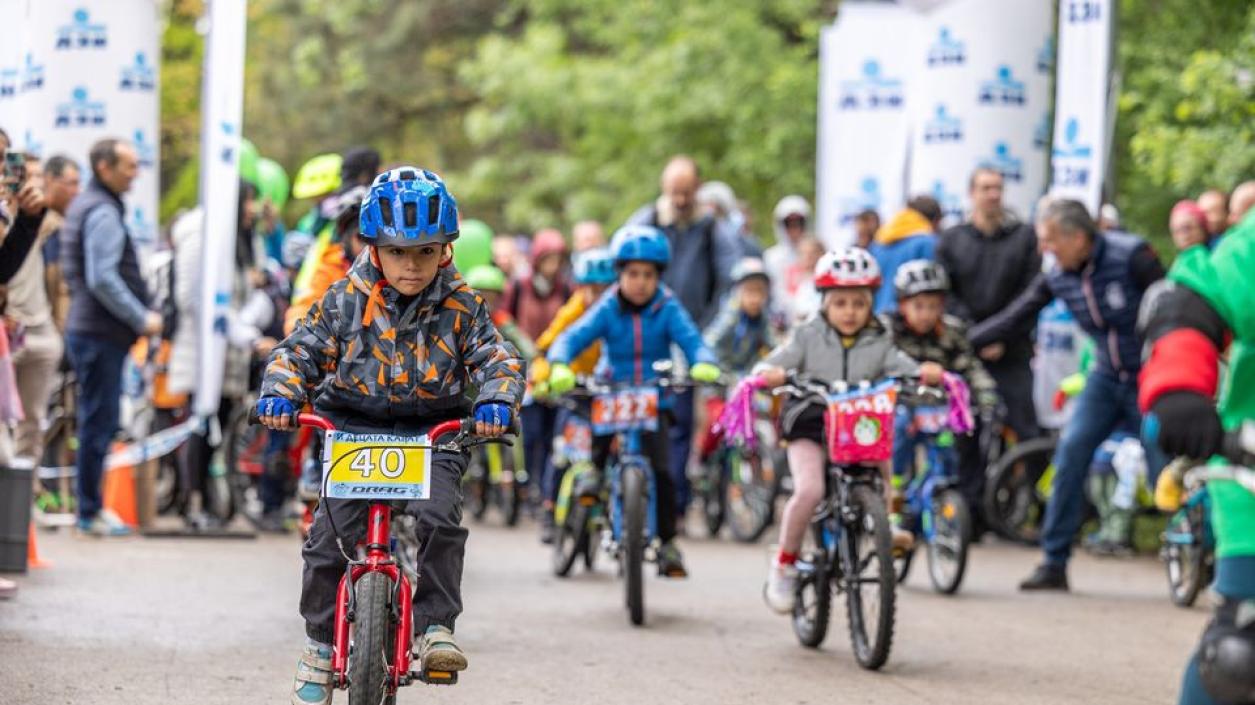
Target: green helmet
{"x":272,"y":182}
{"x":248,"y":162}
{"x":317,"y":177}
{"x":486,"y":277}
{"x":474,"y":247}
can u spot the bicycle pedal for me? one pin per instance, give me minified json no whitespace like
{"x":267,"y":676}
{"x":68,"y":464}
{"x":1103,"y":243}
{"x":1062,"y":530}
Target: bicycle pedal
{"x":437,"y":677}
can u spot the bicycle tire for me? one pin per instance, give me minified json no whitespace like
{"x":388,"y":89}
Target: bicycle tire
{"x":714,"y":489}
{"x":373,"y":636}
{"x":952,"y":521}
{"x":1012,"y":508}
{"x":567,"y":544}
{"x":751,"y":507}
{"x":511,"y":492}
{"x":633,"y":553}
{"x":902,"y":565}
{"x":811,"y":617}
{"x":476,"y":484}
{"x":1185,"y":565}
{"x":871,"y":523}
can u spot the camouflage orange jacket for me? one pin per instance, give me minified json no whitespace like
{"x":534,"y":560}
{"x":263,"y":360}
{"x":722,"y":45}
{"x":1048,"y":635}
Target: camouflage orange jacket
{"x":356,"y":352}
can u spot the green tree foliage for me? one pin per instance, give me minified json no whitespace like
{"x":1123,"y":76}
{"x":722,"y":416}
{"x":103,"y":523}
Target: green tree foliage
{"x":1186,"y":118}
{"x":181,"y":57}
{"x":582,"y":101}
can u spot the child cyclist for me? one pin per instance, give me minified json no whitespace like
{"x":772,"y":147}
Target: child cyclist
{"x":921,"y":329}
{"x":489,"y":282}
{"x":843,"y":342}
{"x":594,"y":272}
{"x":741,"y":334}
{"x":392,"y":348}
{"x":637,"y":322}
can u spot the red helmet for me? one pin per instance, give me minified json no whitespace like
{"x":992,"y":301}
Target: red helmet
{"x":847,"y":268}
{"x":547,"y":242}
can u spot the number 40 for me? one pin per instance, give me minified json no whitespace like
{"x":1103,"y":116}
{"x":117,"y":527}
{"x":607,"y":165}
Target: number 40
{"x":391,"y":463}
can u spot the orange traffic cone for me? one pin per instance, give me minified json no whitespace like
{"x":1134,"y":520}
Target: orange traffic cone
{"x":119,"y":492}
{"x":32,"y":553}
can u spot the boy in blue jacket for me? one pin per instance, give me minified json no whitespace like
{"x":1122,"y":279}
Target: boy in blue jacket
{"x":638,"y":320}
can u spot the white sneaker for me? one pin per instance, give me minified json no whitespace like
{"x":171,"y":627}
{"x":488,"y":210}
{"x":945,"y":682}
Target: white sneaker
{"x":781,"y":589}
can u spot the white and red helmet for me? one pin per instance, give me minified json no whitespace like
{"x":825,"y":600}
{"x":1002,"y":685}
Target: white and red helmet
{"x":847,"y":268}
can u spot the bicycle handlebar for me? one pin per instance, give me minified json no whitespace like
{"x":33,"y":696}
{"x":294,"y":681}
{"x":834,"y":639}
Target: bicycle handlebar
{"x":801,"y":386}
{"x":461,"y":427}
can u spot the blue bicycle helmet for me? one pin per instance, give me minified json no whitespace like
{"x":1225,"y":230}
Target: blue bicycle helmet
{"x":408,"y":207}
{"x":640,"y":243}
{"x":594,"y":266}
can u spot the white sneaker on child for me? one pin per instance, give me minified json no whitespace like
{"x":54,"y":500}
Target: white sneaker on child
{"x":781,"y":588}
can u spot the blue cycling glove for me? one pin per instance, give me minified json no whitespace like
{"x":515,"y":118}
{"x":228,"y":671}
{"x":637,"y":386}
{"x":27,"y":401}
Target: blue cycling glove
{"x":274,"y":407}
{"x":493,"y":413}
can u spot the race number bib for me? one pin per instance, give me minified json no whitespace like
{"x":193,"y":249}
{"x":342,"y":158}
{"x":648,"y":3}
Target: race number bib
{"x":859,"y":424}
{"x":633,"y":409}
{"x":575,"y":443}
{"x":375,"y":466}
{"x":931,"y":419}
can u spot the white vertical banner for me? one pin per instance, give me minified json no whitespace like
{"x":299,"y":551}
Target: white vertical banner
{"x":979,"y":96}
{"x":1081,"y":139}
{"x":863,"y":130}
{"x":222,"y":112}
{"x":77,"y":71}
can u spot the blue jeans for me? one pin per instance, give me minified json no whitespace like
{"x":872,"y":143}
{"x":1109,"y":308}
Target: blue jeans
{"x":1106,"y":405}
{"x":681,"y":436}
{"x":98,"y":368}
{"x":905,"y":442}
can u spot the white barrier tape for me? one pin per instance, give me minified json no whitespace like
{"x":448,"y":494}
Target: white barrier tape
{"x":155,"y":446}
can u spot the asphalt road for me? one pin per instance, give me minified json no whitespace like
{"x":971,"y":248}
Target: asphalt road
{"x":203,"y":622}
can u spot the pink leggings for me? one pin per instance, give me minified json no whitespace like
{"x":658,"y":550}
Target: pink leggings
{"x":807,"y":465}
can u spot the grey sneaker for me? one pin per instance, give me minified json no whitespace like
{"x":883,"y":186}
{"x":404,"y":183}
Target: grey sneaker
{"x":103,"y":525}
{"x":312,"y":685}
{"x":438,"y":651}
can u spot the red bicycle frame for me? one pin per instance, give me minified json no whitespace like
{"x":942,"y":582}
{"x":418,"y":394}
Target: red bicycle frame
{"x":378,"y":560}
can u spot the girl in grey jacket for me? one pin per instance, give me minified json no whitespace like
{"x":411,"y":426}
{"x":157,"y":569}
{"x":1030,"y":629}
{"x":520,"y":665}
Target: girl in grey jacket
{"x":843,"y":341}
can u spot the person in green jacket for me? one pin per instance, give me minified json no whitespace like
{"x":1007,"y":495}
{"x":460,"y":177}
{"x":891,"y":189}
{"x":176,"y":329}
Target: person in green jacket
{"x":1211,"y":309}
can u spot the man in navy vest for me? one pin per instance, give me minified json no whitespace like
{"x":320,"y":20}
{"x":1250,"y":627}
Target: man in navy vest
{"x":1101,"y":277}
{"x":108,"y":312}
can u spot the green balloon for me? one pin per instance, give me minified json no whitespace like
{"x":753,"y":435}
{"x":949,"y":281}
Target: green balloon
{"x":473,"y":248}
{"x":272,"y":181}
{"x":248,"y":161}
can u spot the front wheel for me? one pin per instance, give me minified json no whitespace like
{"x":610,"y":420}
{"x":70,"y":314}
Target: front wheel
{"x":476,"y":485}
{"x":634,"y":542}
{"x":869,"y":578}
{"x":372,"y":642}
{"x":751,"y":492}
{"x":947,"y":549}
{"x":1185,"y":556}
{"x":572,"y":538}
{"x":714,"y":493}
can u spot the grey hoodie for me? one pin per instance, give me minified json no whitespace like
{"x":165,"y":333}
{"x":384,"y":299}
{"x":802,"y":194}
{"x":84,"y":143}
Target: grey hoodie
{"x":815,"y":350}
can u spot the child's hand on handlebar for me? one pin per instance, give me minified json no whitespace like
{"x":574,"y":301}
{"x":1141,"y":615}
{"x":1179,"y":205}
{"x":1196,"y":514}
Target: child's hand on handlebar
{"x":705,"y":372}
{"x":561,"y":378}
{"x":276,"y":413}
{"x":930,"y":373}
{"x":492,"y":419}
{"x":774,"y":376}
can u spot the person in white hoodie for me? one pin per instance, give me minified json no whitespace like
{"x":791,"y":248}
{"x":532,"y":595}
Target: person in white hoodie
{"x":791,"y":221}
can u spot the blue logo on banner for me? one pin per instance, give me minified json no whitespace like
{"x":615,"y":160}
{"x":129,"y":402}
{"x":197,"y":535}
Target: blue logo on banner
{"x":32,"y":74}
{"x":1072,"y":166}
{"x":1081,"y":11}
{"x":228,"y":152}
{"x":30,"y":145}
{"x":946,"y":51}
{"x":82,"y":33}
{"x":872,"y":91}
{"x":80,"y":111}
{"x":141,"y":227}
{"x":1046,"y":55}
{"x":868,"y":198}
{"x":8,"y":82}
{"x":145,"y":150}
{"x":951,"y":206}
{"x":139,"y":76}
{"x":943,"y":127}
{"x":1041,"y":133}
{"x":1003,"y":90}
{"x":1010,"y":166}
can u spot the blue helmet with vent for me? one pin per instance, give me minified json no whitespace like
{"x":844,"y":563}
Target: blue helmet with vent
{"x":640,"y":243}
{"x":408,"y":207}
{"x":595,"y":266}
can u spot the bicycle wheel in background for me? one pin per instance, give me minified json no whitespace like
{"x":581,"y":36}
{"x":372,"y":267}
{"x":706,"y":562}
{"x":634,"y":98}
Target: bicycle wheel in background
{"x":1014,"y":507}
{"x":948,"y":548}
{"x":633,"y":549}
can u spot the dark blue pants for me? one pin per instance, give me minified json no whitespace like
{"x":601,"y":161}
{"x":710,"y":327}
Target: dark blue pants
{"x":98,"y":369}
{"x":1105,"y":406}
{"x":681,"y":435}
{"x":538,"y":427}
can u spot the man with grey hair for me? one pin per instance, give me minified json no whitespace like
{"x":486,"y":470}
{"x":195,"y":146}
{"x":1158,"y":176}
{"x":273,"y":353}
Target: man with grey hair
{"x":1241,"y":201}
{"x":108,"y":312}
{"x":1102,"y":278}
